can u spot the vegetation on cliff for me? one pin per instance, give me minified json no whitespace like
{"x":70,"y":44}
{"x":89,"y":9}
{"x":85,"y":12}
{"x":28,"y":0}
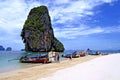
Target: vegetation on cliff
{"x":34,"y":18}
{"x":37,"y":32}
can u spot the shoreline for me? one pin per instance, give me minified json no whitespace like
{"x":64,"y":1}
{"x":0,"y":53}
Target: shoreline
{"x":32,"y":73}
{"x":19,"y":68}
{"x":101,"y":68}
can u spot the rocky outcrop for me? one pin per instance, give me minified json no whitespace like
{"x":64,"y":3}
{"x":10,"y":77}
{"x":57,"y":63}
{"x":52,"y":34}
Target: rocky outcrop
{"x":37,"y":32}
{"x":22,"y":50}
{"x":8,"y":49}
{"x":2,"y":48}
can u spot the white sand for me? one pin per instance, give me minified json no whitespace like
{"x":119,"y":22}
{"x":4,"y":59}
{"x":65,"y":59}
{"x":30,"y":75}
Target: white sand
{"x":102,"y":68}
{"x":40,"y":71}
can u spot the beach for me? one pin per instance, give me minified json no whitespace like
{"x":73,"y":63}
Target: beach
{"x":84,"y":68}
{"x":102,"y":68}
{"x":42,"y":71}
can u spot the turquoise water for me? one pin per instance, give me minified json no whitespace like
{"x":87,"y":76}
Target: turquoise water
{"x":93,"y":51}
{"x":9,"y":60}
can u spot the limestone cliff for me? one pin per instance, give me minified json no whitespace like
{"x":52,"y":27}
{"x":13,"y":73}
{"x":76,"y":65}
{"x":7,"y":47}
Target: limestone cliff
{"x":37,"y":32}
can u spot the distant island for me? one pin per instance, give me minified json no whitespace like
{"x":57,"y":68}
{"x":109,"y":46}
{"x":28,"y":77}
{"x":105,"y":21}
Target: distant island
{"x":37,"y":32}
{"x":8,"y":49}
{"x":22,"y":50}
{"x":3,"y":49}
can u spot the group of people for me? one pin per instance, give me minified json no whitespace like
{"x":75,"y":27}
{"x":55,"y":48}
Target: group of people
{"x":53,"y":56}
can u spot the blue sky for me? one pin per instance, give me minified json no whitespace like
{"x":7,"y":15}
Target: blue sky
{"x":78,"y":24}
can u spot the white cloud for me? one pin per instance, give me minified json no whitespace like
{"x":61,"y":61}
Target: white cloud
{"x":61,"y":1}
{"x":83,"y":30}
{"x":16,"y":11}
{"x":75,"y":12}
{"x":13,"y":13}
{"x":112,"y":29}
{"x":79,"y":8}
{"x":72,"y":32}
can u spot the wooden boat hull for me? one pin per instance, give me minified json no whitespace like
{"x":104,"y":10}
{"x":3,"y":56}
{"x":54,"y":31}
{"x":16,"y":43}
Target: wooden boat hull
{"x":34,"y":60}
{"x":70,"y":56}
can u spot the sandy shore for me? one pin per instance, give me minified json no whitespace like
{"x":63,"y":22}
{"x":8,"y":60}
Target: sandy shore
{"x":42,"y":71}
{"x":102,"y":68}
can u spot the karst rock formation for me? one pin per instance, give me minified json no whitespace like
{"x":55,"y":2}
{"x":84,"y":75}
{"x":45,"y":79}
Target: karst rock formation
{"x":37,"y":32}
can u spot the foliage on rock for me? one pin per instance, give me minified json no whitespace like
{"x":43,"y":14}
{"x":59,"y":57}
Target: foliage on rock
{"x":37,"y":32}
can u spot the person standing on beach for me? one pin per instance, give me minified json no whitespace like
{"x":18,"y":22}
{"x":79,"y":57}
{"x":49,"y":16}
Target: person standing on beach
{"x":57,"y":57}
{"x":70,"y":57}
{"x":88,"y":51}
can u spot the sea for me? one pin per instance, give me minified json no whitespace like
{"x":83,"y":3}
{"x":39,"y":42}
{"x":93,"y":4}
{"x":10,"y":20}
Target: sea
{"x":9,"y":60}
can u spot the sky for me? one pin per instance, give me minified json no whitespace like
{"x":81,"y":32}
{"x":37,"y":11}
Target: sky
{"x":78,"y":24}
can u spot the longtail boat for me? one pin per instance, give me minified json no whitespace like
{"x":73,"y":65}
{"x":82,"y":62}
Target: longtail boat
{"x":34,"y":60}
{"x":37,"y":59}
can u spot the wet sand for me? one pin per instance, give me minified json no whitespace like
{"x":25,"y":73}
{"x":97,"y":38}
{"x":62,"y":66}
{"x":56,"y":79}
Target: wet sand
{"x":43,"y":71}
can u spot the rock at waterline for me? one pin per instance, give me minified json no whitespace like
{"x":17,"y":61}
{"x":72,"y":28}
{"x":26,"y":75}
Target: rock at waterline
{"x":37,"y":32}
{"x":2,"y":48}
{"x":8,"y":49}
